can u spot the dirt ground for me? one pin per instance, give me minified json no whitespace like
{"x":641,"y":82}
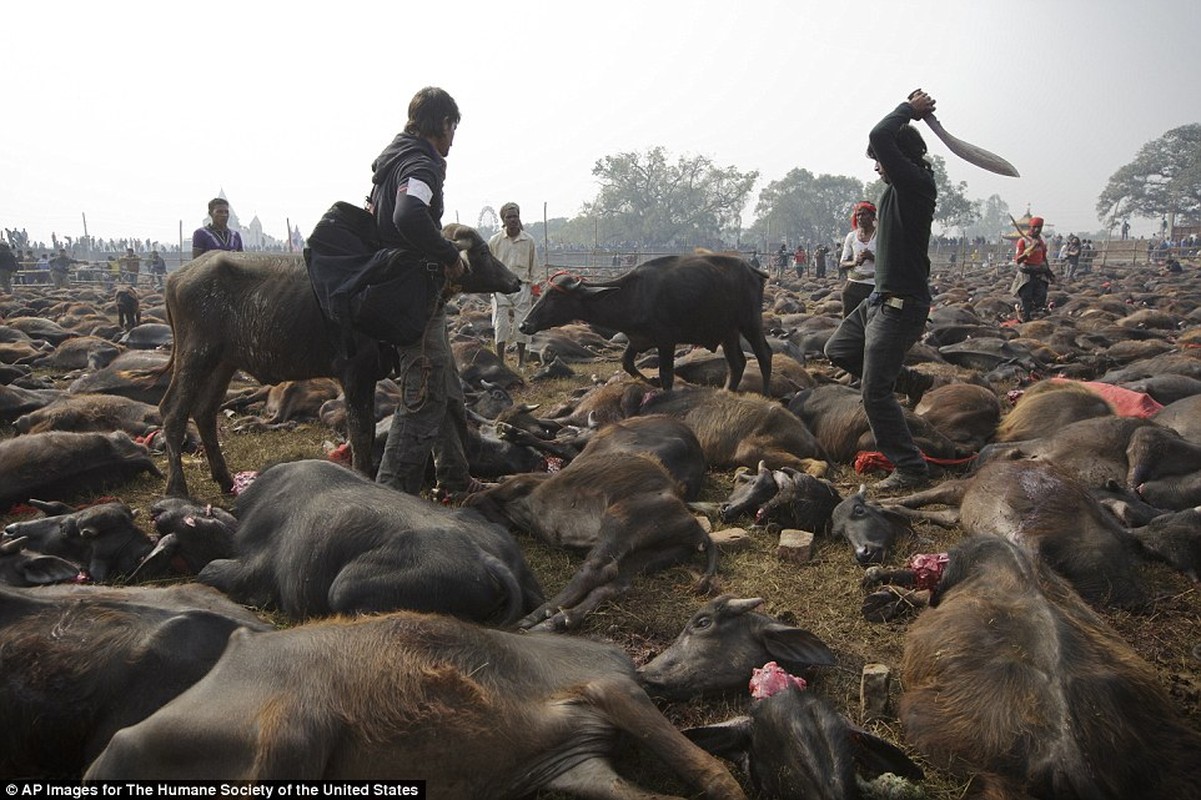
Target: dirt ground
{"x":823,"y":595}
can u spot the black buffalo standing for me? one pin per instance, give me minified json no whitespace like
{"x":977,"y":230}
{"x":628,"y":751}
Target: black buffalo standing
{"x":708,"y":300}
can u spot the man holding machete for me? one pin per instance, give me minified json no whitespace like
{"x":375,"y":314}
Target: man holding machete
{"x":872,"y":342}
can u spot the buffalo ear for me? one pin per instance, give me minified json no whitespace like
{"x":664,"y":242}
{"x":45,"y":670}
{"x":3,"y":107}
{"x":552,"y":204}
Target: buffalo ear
{"x":730,"y":739}
{"x":797,"y":648}
{"x":896,"y":518}
{"x":876,"y":756}
{"x":42,"y":570}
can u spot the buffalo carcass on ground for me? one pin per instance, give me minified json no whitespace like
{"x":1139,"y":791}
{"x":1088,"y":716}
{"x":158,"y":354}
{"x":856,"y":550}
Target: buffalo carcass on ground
{"x":258,"y":313}
{"x":1010,"y":676}
{"x":315,"y":538}
{"x":473,"y":712}
{"x":82,"y":662}
{"x":623,"y":508}
{"x":708,"y":300}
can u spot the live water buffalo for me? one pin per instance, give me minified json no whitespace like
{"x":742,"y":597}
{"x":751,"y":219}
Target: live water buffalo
{"x":708,"y":300}
{"x":795,"y":746}
{"x":258,"y":313}
{"x":59,"y":465}
{"x":82,"y":662}
{"x":473,"y":712}
{"x":129,"y":311}
{"x":623,"y":509}
{"x":1010,"y":677}
{"x":719,"y":648}
{"x":315,"y":538}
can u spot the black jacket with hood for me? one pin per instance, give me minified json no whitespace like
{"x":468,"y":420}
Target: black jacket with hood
{"x":406,"y":222}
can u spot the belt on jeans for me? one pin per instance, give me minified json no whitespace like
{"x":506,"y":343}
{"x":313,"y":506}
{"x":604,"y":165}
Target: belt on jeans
{"x":887,"y":298}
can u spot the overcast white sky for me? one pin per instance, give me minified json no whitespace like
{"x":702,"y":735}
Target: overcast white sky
{"x":136,"y":113}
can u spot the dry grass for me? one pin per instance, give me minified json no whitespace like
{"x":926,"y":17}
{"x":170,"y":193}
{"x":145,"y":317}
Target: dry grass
{"x":823,"y":595}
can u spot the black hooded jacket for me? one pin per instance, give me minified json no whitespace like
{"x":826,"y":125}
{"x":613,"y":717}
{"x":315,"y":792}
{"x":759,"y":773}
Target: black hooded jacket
{"x":406,"y":222}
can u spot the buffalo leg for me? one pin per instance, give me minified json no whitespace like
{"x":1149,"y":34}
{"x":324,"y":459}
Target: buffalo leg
{"x":763,"y":355}
{"x":178,"y":403}
{"x":736,"y":359}
{"x":667,"y":366}
{"x":629,"y":709}
{"x":359,"y":388}
{"x":204,"y":411}
{"x":627,"y":362}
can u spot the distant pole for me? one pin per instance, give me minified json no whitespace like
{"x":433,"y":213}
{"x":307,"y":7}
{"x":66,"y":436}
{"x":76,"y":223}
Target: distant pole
{"x":545,"y":238}
{"x":181,"y":241}
{"x":288,"y":220}
{"x":87,"y":242}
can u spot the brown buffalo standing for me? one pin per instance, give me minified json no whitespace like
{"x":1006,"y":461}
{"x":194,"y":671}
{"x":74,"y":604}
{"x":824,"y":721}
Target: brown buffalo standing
{"x":258,"y":313}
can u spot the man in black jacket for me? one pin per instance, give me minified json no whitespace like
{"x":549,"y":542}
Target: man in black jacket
{"x":872,"y":341}
{"x":406,"y":199}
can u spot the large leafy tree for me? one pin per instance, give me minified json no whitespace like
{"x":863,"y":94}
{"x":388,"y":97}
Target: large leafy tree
{"x":1164,"y":179}
{"x":954,"y":209}
{"x":804,"y":208}
{"x":650,"y":199}
{"x":993,"y":219}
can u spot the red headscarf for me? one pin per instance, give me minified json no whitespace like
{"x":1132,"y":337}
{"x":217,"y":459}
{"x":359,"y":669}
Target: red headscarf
{"x":861,"y":206}
{"x":1036,"y":222}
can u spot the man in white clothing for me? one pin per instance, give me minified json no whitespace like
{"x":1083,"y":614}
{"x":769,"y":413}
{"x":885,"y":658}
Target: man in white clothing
{"x":516,"y":249}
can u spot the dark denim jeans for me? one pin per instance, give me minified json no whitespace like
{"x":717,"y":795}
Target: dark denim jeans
{"x":871,"y":344}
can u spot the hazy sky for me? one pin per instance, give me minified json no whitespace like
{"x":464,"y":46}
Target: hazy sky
{"x":137,"y":113}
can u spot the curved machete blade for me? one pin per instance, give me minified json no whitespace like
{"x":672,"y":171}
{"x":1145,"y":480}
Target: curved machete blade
{"x":970,"y":152}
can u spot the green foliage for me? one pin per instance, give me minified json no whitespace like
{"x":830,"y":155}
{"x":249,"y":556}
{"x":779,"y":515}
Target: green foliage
{"x":802,"y":208}
{"x":1164,"y":178}
{"x":648,"y":198}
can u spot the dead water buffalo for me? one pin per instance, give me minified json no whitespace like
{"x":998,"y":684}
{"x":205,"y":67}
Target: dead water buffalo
{"x":723,"y":643}
{"x":315,"y":538}
{"x":739,"y":430}
{"x":870,"y":529}
{"x":624,"y":509}
{"x":1010,"y":677}
{"x":667,"y":439}
{"x":140,"y":375}
{"x":21,"y":567}
{"x":82,"y":662}
{"x":840,"y":428}
{"x":796,"y":746}
{"x":258,"y":313}
{"x":1042,"y":508}
{"x":101,"y":539}
{"x":787,"y":497}
{"x":91,"y":412}
{"x":708,"y":300}
{"x":58,"y":465}
{"x":86,"y":352}
{"x":473,"y":712}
